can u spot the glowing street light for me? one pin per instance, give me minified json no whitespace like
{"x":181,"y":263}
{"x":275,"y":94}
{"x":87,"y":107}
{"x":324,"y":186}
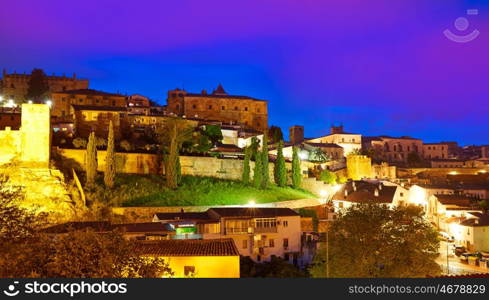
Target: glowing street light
{"x":49,"y":103}
{"x":303,"y":155}
{"x":251,"y":203}
{"x":30,"y":101}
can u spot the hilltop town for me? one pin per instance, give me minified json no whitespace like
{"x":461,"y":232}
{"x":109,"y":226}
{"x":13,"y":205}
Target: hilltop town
{"x":208,"y":184}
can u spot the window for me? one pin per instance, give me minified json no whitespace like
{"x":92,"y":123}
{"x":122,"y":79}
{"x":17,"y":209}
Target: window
{"x":210,"y":106}
{"x":80,"y":100}
{"x":265,"y":223}
{"x":188,"y":270}
{"x":286,"y":244}
{"x":113,"y":102}
{"x":245,"y":244}
{"x":223,"y":107}
{"x":246,"y":108}
{"x":286,"y":223}
{"x":194,"y":106}
{"x":235,"y":108}
{"x":178,"y":106}
{"x":257,"y":110}
{"x":271,"y":243}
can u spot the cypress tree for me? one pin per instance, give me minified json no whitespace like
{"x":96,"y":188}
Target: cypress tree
{"x":245,"y":177}
{"x":172,"y":158}
{"x":264,"y":159}
{"x":279,"y":171}
{"x":258,"y":171}
{"x":91,"y":159}
{"x":296,"y":169}
{"x":179,"y":170}
{"x":109,"y":174}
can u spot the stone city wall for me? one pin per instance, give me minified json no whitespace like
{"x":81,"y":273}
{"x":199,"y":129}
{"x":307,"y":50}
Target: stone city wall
{"x":144,"y":163}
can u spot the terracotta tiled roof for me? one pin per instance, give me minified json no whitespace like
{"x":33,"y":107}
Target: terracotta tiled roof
{"x":365,"y":192}
{"x":324,"y":145}
{"x":183,"y":216}
{"x":259,"y":212}
{"x":142,"y":227}
{"x":165,"y":248}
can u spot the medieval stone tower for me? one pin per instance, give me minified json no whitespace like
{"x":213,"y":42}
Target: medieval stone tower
{"x":35,"y":135}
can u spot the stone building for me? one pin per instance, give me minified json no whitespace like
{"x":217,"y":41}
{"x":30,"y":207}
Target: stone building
{"x":350,"y":142}
{"x":138,"y":104}
{"x":31,"y":144}
{"x":435,"y":150}
{"x":220,"y":106}
{"x":88,"y":118}
{"x":14,"y":86}
{"x":62,"y":101}
{"x":394,"y":149}
{"x":9,"y":118}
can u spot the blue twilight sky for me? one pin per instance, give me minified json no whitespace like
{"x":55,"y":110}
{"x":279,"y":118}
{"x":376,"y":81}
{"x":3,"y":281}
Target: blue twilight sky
{"x":378,"y":67}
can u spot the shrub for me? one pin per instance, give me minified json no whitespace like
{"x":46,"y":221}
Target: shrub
{"x":328,"y":177}
{"x":80,"y":143}
{"x":125,"y":145}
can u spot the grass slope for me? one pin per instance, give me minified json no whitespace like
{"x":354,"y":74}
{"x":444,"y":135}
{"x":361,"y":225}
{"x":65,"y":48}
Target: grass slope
{"x":149,"y":190}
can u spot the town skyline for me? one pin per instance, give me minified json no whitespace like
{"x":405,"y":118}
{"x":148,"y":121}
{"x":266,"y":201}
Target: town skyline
{"x":335,"y":63}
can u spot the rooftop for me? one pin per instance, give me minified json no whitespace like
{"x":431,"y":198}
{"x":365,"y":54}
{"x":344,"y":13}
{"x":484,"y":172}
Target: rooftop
{"x":99,"y":108}
{"x":254,"y":212}
{"x":481,"y":219}
{"x":364,"y":192}
{"x":165,"y":248}
{"x":89,"y":92}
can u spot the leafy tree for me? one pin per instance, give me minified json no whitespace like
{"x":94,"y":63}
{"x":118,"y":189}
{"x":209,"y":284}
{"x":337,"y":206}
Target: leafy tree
{"x":109,"y":174}
{"x":264,"y":160}
{"x":370,"y":240}
{"x":37,"y":86}
{"x":296,"y":168}
{"x":16,"y":223}
{"x":258,"y":171}
{"x":484,"y":205}
{"x":91,"y":160}
{"x":275,"y":268}
{"x":172,"y":135}
{"x":328,"y":177}
{"x":245,"y":177}
{"x":214,"y":133}
{"x":279,"y":170}
{"x":275,"y":134}
{"x":79,"y":254}
{"x":413,"y":159}
{"x":317,"y":155}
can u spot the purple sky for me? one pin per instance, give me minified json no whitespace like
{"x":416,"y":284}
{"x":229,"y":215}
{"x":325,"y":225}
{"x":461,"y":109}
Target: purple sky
{"x":378,"y":67}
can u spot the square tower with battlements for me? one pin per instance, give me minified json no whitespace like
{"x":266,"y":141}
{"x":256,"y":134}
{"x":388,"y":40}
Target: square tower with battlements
{"x":36,"y":135}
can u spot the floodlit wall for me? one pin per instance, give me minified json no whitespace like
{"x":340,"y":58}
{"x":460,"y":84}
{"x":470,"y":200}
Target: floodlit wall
{"x":30,"y":144}
{"x":205,"y":266}
{"x":143,"y":163}
{"x":358,"y":166}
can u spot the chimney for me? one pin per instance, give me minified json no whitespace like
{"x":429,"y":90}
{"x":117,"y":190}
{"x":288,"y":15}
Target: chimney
{"x":296,"y":134}
{"x":204,"y":92}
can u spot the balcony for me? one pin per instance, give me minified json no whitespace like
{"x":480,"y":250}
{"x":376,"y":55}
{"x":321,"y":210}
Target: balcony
{"x":265,"y":229}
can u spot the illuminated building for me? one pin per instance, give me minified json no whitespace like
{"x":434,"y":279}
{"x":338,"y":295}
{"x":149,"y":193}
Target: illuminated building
{"x":257,"y":232}
{"x":220,"y":106}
